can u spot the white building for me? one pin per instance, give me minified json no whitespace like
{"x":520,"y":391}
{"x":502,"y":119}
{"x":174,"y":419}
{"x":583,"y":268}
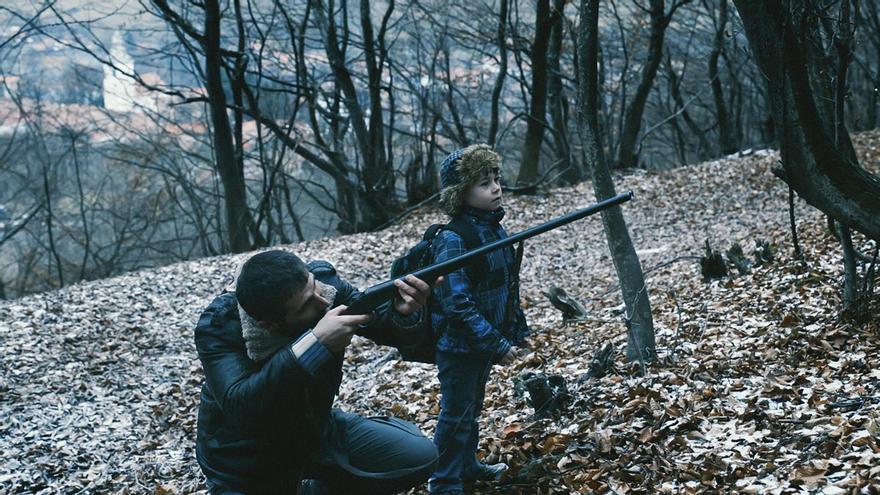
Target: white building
{"x":121,"y":92}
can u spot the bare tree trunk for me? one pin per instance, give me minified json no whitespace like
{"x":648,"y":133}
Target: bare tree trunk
{"x":378,"y":199}
{"x":798,"y":253}
{"x":87,"y":238}
{"x":850,"y":268}
{"x":558,"y":101}
{"x":528,"y":168}
{"x":294,"y":216}
{"x":460,"y":135}
{"x":502,"y":71}
{"x":641,"y":346}
{"x":237,"y":82}
{"x":873,"y":100}
{"x":238,"y":216}
{"x":53,"y":247}
{"x":703,"y":148}
{"x":826,"y":174}
{"x":378,"y":173}
{"x":726,"y":135}
{"x":869,"y":15}
{"x":843,"y":46}
{"x":627,"y":154}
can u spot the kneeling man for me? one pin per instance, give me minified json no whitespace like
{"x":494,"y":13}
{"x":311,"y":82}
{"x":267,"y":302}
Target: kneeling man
{"x":272,"y":353}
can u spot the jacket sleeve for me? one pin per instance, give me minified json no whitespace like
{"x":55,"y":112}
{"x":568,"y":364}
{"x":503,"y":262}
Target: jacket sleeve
{"x":458,"y":303}
{"x":388,"y":327}
{"x":254,"y":396}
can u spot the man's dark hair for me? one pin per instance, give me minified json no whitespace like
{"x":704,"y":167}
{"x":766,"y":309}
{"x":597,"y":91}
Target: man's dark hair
{"x":267,"y":281}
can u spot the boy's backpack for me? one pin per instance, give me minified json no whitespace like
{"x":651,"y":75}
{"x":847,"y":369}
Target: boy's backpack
{"x":419,"y":256}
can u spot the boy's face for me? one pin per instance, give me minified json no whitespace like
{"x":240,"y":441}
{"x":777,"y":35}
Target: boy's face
{"x":485,"y":194}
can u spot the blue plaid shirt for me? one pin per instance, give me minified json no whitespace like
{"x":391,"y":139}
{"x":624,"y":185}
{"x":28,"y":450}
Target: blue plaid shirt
{"x":470,"y":316}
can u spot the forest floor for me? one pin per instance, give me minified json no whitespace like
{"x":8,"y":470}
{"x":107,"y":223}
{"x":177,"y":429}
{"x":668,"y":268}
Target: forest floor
{"x":761,"y":385}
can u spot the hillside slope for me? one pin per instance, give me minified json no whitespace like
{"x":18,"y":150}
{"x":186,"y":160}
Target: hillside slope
{"x":761,"y":387}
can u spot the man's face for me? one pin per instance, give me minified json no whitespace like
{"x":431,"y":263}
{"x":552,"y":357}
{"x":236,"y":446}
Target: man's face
{"x":302,"y":310}
{"x":485,"y":194}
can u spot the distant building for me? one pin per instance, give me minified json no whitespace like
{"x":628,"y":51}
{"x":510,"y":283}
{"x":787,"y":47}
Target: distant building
{"x":121,"y":92}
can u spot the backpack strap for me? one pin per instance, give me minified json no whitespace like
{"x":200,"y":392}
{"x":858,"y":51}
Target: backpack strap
{"x":432,"y":232}
{"x":471,"y":237}
{"x":466,"y":231}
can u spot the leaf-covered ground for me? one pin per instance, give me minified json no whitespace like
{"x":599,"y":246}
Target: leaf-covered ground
{"x":761,"y":386}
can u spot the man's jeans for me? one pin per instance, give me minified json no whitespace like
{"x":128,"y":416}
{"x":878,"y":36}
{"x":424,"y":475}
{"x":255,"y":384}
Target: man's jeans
{"x":362,"y":456}
{"x":377,"y":455}
{"x":462,"y":389}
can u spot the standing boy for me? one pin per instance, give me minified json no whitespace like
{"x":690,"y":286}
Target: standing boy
{"x":475,"y":312}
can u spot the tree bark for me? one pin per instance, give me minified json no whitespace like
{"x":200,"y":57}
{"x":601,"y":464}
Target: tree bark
{"x":641,"y":346}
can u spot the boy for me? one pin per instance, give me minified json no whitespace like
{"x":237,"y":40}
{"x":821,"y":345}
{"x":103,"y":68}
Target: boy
{"x":475,"y":312}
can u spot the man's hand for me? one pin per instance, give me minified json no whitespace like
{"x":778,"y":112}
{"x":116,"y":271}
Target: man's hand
{"x":508,"y":358}
{"x":335,"y":330}
{"x":412,"y":294}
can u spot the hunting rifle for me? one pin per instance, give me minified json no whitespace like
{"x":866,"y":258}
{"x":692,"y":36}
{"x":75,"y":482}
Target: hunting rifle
{"x":374,"y":296}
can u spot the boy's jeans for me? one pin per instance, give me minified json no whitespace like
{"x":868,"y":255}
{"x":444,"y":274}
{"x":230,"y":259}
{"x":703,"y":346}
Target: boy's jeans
{"x":462,"y":388}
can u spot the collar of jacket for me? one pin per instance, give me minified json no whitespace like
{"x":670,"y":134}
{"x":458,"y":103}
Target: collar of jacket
{"x":483,"y":216}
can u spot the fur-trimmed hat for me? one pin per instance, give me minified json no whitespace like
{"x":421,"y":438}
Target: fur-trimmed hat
{"x":463,"y":168}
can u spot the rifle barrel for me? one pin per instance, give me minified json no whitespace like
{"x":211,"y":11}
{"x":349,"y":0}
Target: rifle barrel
{"x":379,"y":293}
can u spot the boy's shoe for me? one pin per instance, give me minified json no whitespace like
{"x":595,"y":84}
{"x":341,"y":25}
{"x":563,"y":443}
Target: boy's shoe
{"x":486,"y":472}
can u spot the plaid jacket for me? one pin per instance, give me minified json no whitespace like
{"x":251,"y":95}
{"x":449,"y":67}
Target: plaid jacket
{"x":469,"y":315}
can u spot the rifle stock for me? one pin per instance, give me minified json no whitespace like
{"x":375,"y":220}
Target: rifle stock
{"x":374,"y":296}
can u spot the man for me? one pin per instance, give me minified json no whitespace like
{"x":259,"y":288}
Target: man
{"x":272,"y":353}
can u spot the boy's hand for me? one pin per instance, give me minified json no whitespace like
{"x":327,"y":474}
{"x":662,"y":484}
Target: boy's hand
{"x":412,"y":294}
{"x":335,"y":330}
{"x":508,"y":358}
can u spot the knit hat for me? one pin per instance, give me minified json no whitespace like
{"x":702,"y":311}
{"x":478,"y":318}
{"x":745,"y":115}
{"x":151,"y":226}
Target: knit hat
{"x":461,"y":169}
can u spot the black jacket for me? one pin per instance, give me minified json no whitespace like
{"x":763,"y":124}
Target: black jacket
{"x":257,"y":420}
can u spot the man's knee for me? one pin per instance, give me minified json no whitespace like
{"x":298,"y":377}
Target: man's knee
{"x":411,"y":450}
{"x":377,"y":467}
{"x":387,"y":445}
{"x":424,"y":453}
